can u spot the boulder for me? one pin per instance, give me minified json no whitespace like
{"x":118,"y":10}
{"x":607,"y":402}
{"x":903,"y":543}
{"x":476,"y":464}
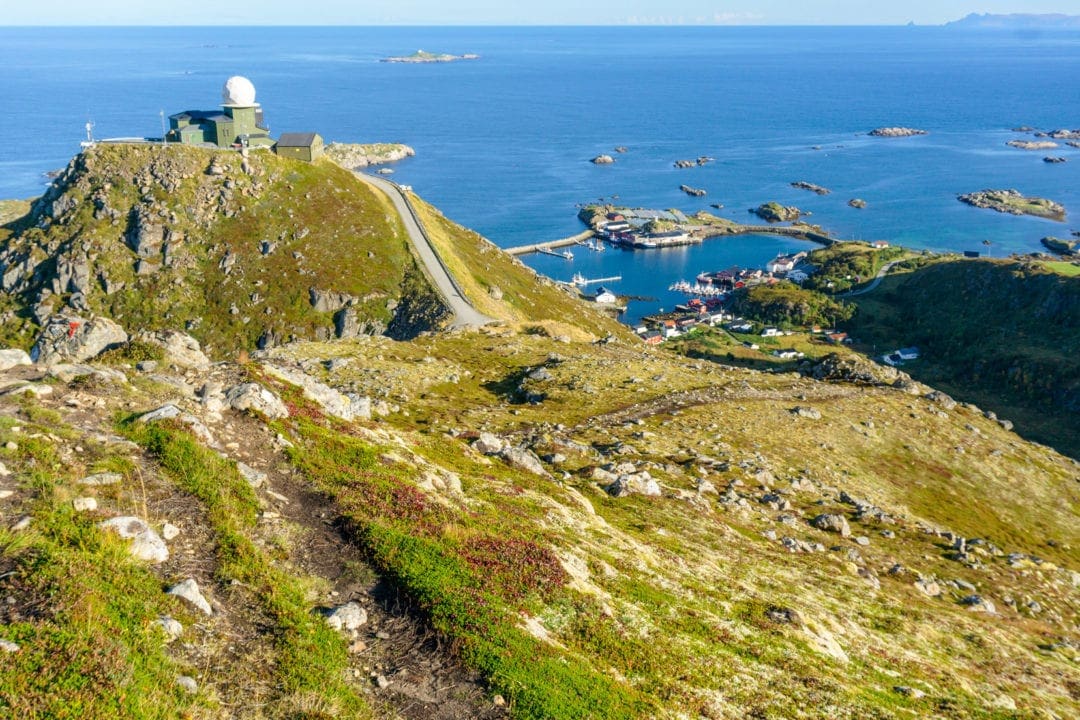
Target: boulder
{"x":255,"y":478}
{"x":98,"y":479}
{"x":171,"y":412}
{"x":635,"y":484}
{"x":74,"y":339}
{"x":13,"y":358}
{"x":602,"y":160}
{"x":189,"y":591}
{"x":145,"y":543}
{"x":832,"y":523}
{"x":183,"y":350}
{"x":977,"y":603}
{"x":171,"y":627}
{"x":806,"y":412}
{"x":488,"y":444}
{"x":349,"y":616}
{"x":333,"y":402}
{"x":254,"y":397}
{"x":329,"y":301}
{"x":65,"y":372}
{"x":525,"y":459}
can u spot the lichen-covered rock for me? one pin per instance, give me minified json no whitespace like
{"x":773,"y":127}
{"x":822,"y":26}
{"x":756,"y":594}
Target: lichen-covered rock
{"x":145,"y":543}
{"x":75,"y":339}
{"x":525,"y":459}
{"x":254,"y":397}
{"x":13,"y":358}
{"x":832,"y":523}
{"x":189,"y":591}
{"x":181,"y":349}
{"x":488,"y":444}
{"x":349,"y":616}
{"x":333,"y":402}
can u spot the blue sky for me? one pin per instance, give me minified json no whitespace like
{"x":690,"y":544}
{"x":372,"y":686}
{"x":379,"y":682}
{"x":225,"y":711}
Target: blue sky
{"x":500,"y":12}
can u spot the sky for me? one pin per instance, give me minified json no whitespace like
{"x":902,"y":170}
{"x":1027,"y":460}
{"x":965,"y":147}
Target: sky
{"x":501,"y":12}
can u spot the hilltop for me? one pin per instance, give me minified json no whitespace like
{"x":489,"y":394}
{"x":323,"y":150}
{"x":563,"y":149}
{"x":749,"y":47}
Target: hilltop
{"x":537,"y":518}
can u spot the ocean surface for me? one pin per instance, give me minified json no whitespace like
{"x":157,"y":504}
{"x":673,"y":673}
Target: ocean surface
{"x":503,"y":143}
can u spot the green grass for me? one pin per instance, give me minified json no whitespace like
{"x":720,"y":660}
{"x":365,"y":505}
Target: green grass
{"x":89,"y":647}
{"x":311,"y":659}
{"x":1068,"y":269}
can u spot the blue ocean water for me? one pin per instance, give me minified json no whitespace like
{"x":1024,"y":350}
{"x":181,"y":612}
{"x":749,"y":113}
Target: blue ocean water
{"x":503,"y":143}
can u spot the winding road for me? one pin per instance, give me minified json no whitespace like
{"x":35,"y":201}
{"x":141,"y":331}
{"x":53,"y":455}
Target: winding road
{"x":874,"y":283}
{"x":465,"y":315}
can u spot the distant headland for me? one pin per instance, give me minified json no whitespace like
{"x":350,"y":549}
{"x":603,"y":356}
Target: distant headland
{"x":1017,"y":21}
{"x":422,"y":56}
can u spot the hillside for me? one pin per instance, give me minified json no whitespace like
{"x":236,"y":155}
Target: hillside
{"x":1000,"y":333}
{"x":541,"y":518}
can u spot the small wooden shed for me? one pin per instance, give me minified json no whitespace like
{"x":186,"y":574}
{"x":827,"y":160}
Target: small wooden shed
{"x":300,"y":146}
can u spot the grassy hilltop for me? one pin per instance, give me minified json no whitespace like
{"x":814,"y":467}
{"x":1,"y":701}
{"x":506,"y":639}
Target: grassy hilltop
{"x":542,"y":518}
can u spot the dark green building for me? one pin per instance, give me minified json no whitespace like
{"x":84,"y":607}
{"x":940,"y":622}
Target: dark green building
{"x":300,"y":146}
{"x":239,"y":122}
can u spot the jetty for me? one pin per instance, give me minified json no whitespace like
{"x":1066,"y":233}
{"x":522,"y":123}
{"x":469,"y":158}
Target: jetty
{"x":581,"y":281}
{"x":550,"y":245}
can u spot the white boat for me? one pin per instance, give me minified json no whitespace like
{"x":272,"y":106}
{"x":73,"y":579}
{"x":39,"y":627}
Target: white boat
{"x":568,"y":255}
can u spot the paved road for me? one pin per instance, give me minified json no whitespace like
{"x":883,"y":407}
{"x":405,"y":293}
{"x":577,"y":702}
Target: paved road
{"x":876,"y":281}
{"x":465,"y":315}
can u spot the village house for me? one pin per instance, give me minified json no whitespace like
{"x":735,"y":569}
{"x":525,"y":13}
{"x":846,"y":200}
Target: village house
{"x":605,"y":296}
{"x":653,"y":337}
{"x":771,"y":332}
{"x":879,"y":244}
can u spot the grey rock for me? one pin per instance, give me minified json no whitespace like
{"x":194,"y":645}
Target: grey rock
{"x":255,"y":478}
{"x":635,"y":484}
{"x":8,"y":646}
{"x":189,"y":591}
{"x":13,"y":358}
{"x":977,"y":603}
{"x":913,"y":693}
{"x":254,"y":397}
{"x":328,"y":300}
{"x":488,"y":444}
{"x":330,"y":400}
{"x":832,"y":523}
{"x":862,"y":540}
{"x":84,"y":504}
{"x":349,"y":616}
{"x":67,"y":373}
{"x":188,"y":684}
{"x":181,"y":349}
{"x":97,"y":479}
{"x":806,"y":412}
{"x":145,"y":543}
{"x":346,"y":323}
{"x":74,"y":339}
{"x":170,"y":531}
{"x":172,"y":628}
{"x":941,"y":399}
{"x":928,"y":587}
{"x":524,"y":459}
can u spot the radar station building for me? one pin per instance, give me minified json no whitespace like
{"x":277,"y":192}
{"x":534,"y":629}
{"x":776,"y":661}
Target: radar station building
{"x":239,"y":122}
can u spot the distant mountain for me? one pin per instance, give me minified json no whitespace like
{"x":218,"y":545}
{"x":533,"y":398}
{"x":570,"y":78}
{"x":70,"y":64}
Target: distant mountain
{"x":1050,"y":21}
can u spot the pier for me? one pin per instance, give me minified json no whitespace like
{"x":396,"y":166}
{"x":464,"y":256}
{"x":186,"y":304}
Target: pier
{"x":550,"y":245}
{"x":581,"y":281}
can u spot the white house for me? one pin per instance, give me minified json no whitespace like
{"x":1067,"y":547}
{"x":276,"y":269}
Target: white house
{"x":908,"y":353}
{"x":771,"y":332}
{"x":605,"y":296}
{"x":781,"y":264}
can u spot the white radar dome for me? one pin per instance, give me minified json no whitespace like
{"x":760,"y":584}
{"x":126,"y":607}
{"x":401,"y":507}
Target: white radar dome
{"x":238,"y":91}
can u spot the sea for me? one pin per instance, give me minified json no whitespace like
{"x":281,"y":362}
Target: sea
{"x":503,"y":143}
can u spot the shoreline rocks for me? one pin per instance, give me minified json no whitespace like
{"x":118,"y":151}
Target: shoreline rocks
{"x":1054,"y":160}
{"x":1013,"y":202}
{"x":896,"y":132}
{"x":354,"y":156}
{"x":692,"y":191}
{"x":1061,"y":247}
{"x":602,"y":160}
{"x":857,"y":203}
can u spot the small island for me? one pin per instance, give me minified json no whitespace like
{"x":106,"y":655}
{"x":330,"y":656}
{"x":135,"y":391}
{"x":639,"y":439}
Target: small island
{"x":896,"y":132}
{"x":692,"y":191}
{"x":803,"y":185}
{"x":1061,"y":247}
{"x":422,"y":56}
{"x":1013,"y":202}
{"x":857,"y":203}
{"x":602,"y":160}
{"x":774,"y":212}
{"x":1032,"y":144}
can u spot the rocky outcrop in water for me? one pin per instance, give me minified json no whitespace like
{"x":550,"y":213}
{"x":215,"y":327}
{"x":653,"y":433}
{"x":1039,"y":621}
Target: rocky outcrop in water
{"x":602,"y":160}
{"x":817,"y":189}
{"x":1032,"y":144}
{"x":1013,"y":202}
{"x":692,"y":191}
{"x":774,"y":212}
{"x":896,"y":132}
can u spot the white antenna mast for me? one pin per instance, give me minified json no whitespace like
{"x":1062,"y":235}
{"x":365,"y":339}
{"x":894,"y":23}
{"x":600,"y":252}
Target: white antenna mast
{"x":89,"y":142}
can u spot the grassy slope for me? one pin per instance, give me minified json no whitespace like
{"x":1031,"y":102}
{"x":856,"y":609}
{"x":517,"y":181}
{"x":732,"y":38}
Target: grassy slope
{"x":998,"y":333}
{"x":672,"y":595}
{"x":527,"y":299}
